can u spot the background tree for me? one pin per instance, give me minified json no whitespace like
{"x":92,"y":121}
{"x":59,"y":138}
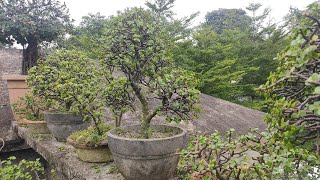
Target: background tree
{"x":86,"y":37}
{"x":220,"y":49}
{"x":161,"y":7}
{"x":289,"y":148}
{"x":177,"y":28}
{"x":258,"y":25}
{"x":31,"y":22}
{"x":231,"y":19}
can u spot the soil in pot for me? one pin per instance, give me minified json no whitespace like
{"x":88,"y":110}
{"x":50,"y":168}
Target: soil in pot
{"x":147,"y":159}
{"x":95,"y":154}
{"x":61,"y":125}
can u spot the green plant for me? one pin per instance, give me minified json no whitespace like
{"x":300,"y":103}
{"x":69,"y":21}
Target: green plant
{"x":61,"y":148}
{"x":252,"y":156}
{"x":90,"y":136}
{"x":31,"y":107}
{"x":73,"y":80}
{"x":138,"y":46}
{"x":289,"y":149}
{"x":30,"y":23}
{"x":295,"y":85}
{"x":23,"y":170}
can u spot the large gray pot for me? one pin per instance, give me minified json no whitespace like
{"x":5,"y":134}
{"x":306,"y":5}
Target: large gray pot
{"x":147,"y":159}
{"x":62,"y":125}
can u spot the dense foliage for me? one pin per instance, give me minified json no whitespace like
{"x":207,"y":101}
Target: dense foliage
{"x":27,"y":170}
{"x":86,"y":36}
{"x":90,"y":137}
{"x":31,"y":107}
{"x":289,"y":149}
{"x":153,"y":61}
{"x":251,"y":156}
{"x":71,"y":79}
{"x":139,"y":47}
{"x":295,"y":86}
{"x":231,"y":60}
{"x":31,"y":22}
{"x":227,"y":19}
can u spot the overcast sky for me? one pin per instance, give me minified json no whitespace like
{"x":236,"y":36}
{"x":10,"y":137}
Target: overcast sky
{"x":79,"y":8}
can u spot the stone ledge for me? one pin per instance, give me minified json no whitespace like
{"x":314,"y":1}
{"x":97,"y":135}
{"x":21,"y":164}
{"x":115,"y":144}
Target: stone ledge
{"x":64,"y":159}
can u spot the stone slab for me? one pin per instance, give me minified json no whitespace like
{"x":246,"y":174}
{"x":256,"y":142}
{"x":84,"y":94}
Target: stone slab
{"x":64,"y":159}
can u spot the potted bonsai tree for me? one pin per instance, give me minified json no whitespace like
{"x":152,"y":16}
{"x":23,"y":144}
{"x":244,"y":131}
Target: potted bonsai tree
{"x":91,"y":144}
{"x":70,"y":79}
{"x":138,"y":46}
{"x":29,"y":111}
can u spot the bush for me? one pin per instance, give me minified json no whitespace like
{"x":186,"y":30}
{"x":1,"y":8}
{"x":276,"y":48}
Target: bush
{"x":23,"y":170}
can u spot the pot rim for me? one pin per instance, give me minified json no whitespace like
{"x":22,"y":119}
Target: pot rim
{"x":114,"y":136}
{"x":26,"y":121}
{"x":59,"y":112}
{"x":84,"y":146}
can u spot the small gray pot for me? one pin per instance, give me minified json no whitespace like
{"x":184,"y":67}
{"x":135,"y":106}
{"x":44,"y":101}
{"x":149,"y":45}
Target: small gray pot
{"x":62,"y":125}
{"x":147,"y":159}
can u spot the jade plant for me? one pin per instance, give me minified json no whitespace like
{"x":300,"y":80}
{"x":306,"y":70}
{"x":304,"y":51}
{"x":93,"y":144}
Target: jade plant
{"x":289,"y":148}
{"x":138,"y":47}
{"x":255,"y":155}
{"x":295,"y":85}
{"x":90,"y":136}
{"x":31,"y":107}
{"x":23,"y":170}
{"x":72,"y":80}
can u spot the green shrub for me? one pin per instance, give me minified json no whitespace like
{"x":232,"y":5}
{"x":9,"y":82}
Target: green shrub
{"x":252,"y":156}
{"x":27,"y":170}
{"x":31,"y":107}
{"x":90,"y":136}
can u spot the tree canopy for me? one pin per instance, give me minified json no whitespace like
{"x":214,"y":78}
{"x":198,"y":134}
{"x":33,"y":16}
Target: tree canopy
{"x":222,"y":19}
{"x":31,"y":22}
{"x":230,"y":59}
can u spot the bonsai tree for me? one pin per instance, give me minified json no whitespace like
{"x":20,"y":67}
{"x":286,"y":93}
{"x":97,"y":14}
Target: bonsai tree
{"x":118,"y":98}
{"x":31,"y":107}
{"x":72,"y":80}
{"x":139,"y":47}
{"x":31,"y":22}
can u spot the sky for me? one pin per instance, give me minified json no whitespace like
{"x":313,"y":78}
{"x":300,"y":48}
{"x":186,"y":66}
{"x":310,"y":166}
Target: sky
{"x":79,"y":8}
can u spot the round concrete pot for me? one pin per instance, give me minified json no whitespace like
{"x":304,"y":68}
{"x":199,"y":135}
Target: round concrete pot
{"x":95,"y":154}
{"x":147,"y":159}
{"x":36,"y":127}
{"x":62,"y":125}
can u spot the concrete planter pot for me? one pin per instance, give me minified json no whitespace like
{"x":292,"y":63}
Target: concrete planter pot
{"x":62,"y":125}
{"x":147,"y":159}
{"x":94,"y":154}
{"x":35,"y":127}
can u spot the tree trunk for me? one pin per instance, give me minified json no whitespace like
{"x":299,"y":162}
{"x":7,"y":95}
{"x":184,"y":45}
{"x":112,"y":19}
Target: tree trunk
{"x":30,"y":55}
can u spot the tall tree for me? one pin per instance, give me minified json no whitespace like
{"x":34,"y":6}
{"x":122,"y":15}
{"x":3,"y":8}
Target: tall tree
{"x":177,"y":28}
{"x":29,"y":23}
{"x":222,"y":19}
{"x":161,"y":7}
{"x":258,"y":29}
{"x":86,"y":37}
{"x":231,"y":60}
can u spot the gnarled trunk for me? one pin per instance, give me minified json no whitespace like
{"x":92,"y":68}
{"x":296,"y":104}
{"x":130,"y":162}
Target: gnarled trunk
{"x":30,"y":55}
